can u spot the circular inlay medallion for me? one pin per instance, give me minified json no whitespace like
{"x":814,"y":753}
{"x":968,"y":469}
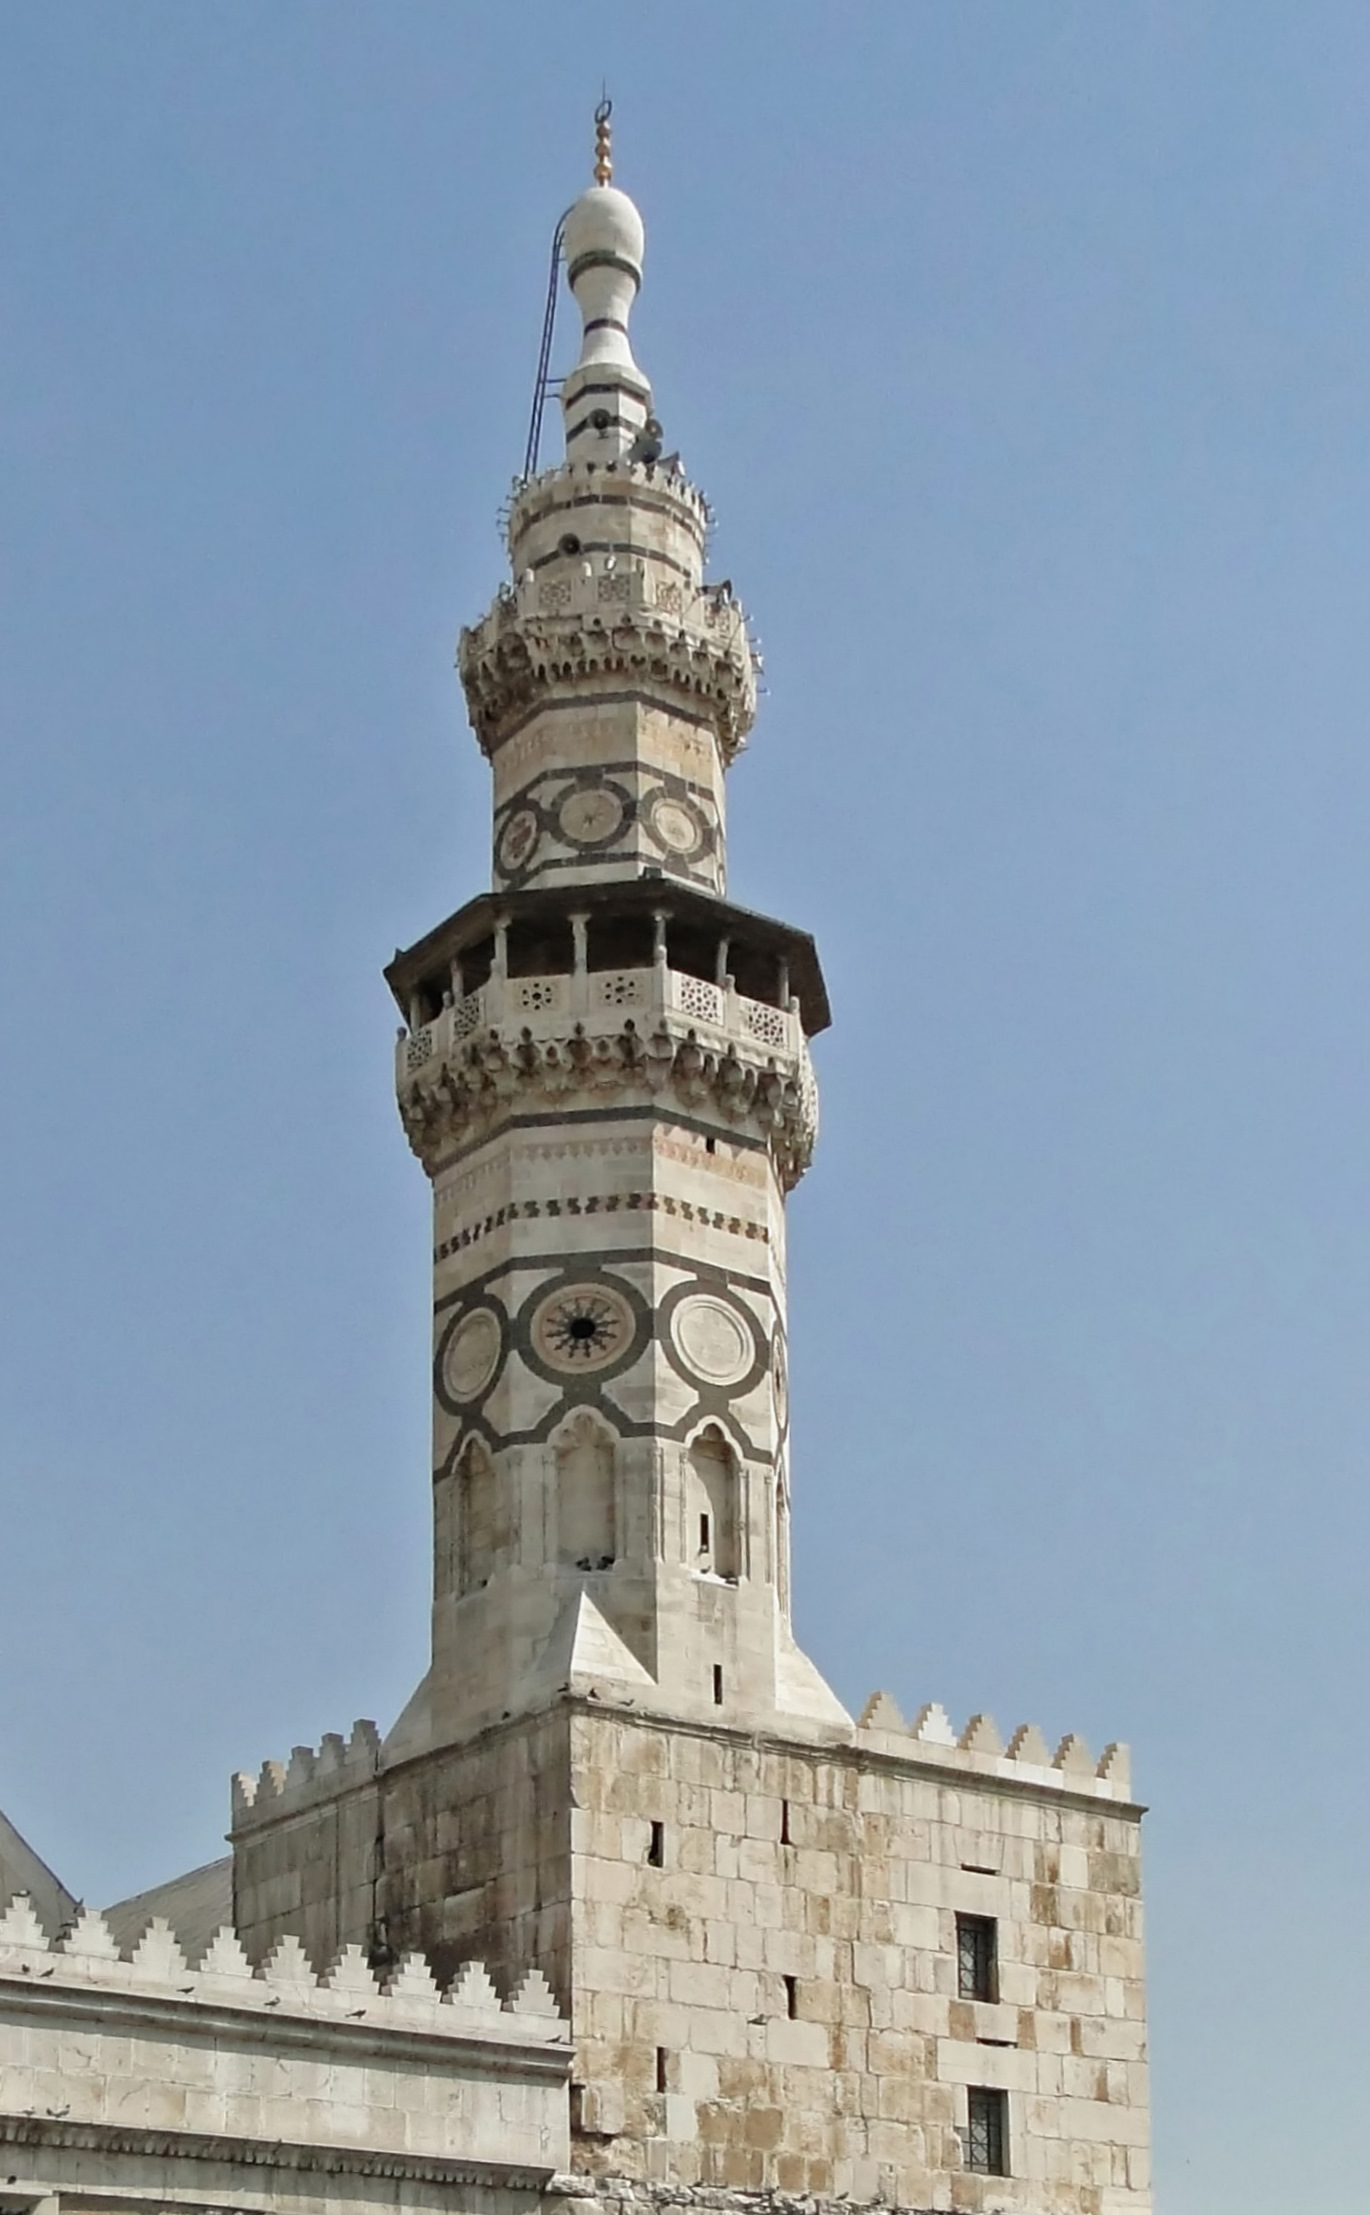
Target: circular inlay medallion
{"x":780,"y":1385}
{"x":591,"y":815}
{"x":516,"y":841}
{"x":472,"y":1354}
{"x":581,"y":1328}
{"x":677,"y":825}
{"x":712,"y":1339}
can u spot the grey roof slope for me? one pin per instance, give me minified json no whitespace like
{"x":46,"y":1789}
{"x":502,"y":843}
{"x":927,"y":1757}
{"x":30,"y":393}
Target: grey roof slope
{"x":196,"y":1905}
{"x":21,"y":1870}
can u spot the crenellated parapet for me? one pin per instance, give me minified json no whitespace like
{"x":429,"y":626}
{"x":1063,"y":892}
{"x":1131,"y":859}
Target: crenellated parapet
{"x":979,"y":1750}
{"x":141,"y":2077}
{"x":309,"y":1776}
{"x":287,"y":1984}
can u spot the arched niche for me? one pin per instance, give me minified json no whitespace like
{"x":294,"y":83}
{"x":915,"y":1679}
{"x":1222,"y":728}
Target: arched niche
{"x":713,"y":1520}
{"x":480,"y":1517}
{"x":586,"y":1494}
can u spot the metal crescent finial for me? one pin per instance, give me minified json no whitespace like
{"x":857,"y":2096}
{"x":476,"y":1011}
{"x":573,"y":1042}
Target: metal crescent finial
{"x":604,"y":145}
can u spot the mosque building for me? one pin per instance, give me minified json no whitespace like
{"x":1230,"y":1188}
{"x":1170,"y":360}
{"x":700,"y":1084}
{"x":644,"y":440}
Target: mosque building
{"x":625,"y":1909}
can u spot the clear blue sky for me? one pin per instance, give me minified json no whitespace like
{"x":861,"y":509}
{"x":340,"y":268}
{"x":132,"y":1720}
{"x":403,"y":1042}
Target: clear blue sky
{"x":1025,"y":353}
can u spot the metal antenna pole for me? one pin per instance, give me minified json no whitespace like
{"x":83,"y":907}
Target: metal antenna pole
{"x":530,"y":459}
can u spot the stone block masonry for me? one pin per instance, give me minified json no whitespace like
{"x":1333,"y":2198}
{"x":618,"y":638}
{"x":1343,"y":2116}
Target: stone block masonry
{"x":755,"y":1935}
{"x":129,"y":2078}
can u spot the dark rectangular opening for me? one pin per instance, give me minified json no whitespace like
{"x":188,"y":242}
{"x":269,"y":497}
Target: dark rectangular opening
{"x":656,"y":1847}
{"x":977,"y":1957}
{"x":661,"y":2068}
{"x":704,"y":1534}
{"x":620,"y":942}
{"x":785,"y":1838}
{"x":792,"y":1997}
{"x":541,"y":949}
{"x":987,"y":2131}
{"x":711,"y":1145}
{"x":718,"y":1684}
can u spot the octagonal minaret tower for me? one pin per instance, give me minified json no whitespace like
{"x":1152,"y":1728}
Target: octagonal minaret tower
{"x":605,"y":1071}
{"x":867,"y":1962}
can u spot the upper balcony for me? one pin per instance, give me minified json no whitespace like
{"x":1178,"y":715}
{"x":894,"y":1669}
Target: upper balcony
{"x":593,"y":999}
{"x":555,"y":948}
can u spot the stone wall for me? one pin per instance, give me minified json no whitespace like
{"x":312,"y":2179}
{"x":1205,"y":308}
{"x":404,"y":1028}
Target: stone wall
{"x":463,"y":1854}
{"x":775,"y":2006}
{"x":140,"y":2080}
{"x":755,"y":1936}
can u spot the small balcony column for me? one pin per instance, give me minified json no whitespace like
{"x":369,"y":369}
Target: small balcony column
{"x":782,"y":982}
{"x":721,"y":964}
{"x":458,"y":981}
{"x":580,"y":963}
{"x":659,"y":922}
{"x":416,"y":1014}
{"x":499,"y":967}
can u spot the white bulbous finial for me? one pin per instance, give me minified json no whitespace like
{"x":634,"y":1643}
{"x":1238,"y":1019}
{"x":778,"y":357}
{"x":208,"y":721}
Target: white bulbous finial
{"x":606,"y":399}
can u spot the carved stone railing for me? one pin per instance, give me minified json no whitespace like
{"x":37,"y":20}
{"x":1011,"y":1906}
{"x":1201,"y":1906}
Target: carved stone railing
{"x":592,"y":622}
{"x":643,"y":1032}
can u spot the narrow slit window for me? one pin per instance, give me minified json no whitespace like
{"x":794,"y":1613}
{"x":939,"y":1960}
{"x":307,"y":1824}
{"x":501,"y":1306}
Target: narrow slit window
{"x":977,"y":1957}
{"x":661,"y":2068}
{"x":785,"y":1838}
{"x":987,"y":2131}
{"x":704,"y":1534}
{"x":718,"y":1684}
{"x":656,"y":1847}
{"x":792,"y":1997}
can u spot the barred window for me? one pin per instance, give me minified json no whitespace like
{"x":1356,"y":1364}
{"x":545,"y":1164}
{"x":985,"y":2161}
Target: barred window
{"x":977,"y":1957}
{"x":987,"y":2131}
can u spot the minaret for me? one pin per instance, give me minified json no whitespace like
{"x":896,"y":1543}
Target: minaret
{"x":865,"y":1962}
{"x":605,"y":1072}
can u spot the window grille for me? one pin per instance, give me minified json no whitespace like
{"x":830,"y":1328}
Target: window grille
{"x":977,"y":1957}
{"x":987,"y":2131}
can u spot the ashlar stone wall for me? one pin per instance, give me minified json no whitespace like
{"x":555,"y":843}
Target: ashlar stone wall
{"x":755,"y":1935}
{"x":136,"y":2080}
{"x":765,"y":1990}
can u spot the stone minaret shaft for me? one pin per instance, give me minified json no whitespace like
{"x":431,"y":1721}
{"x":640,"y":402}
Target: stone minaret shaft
{"x":605,"y":1072}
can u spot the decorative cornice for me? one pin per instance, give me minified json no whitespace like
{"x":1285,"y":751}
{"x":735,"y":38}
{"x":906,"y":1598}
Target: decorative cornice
{"x":189,"y":2145}
{"x":543,"y":638}
{"x":489,"y":1079}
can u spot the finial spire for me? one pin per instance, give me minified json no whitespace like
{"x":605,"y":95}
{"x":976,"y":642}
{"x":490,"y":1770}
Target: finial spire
{"x":606,"y":400}
{"x":604,"y":142}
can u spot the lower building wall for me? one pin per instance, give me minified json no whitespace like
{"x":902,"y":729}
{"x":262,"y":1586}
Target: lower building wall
{"x":139,"y":2081}
{"x":755,"y":1936}
{"x":776,"y":2006}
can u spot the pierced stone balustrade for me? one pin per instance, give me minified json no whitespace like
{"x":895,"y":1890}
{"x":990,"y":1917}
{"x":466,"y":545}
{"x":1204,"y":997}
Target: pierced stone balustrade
{"x":643,"y":1030}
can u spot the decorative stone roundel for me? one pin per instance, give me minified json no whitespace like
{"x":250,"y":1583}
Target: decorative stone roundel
{"x":712,"y":1340}
{"x":471,"y":1355}
{"x":780,"y":1384}
{"x":677,"y":825}
{"x":514,"y":847}
{"x":591,"y":815}
{"x":579,"y":1329}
